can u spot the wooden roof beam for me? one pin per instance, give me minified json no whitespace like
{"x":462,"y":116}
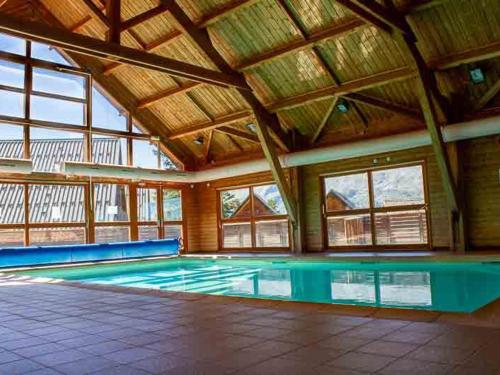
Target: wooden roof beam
{"x":276,"y":169}
{"x":151,"y":47}
{"x":489,"y":51}
{"x":96,"y":11}
{"x":383,"y":104}
{"x":113,"y":12}
{"x":201,"y":39}
{"x":378,"y":15}
{"x":239,"y":133}
{"x":143,"y":17}
{"x":81,"y":44}
{"x":329,"y":113}
{"x":364,"y":83}
{"x":211,"y":125}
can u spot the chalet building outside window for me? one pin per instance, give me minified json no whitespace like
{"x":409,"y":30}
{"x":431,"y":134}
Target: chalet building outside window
{"x":253,"y":217}
{"x":380,"y":207}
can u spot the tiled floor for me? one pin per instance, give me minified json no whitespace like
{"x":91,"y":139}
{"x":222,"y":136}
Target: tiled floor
{"x":59,"y":329}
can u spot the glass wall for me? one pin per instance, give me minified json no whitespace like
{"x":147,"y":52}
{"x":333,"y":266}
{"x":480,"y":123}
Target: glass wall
{"x":172,"y":213}
{"x":253,"y":217}
{"x":378,"y":207}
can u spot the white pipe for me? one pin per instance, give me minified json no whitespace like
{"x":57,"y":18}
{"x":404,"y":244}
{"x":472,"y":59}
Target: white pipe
{"x":19,"y":166}
{"x":451,"y":133}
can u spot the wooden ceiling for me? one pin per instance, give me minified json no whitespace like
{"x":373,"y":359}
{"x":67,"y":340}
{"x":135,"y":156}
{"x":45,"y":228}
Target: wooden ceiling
{"x":300,"y":58}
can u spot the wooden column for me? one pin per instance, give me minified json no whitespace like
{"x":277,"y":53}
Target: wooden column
{"x":298,"y":243}
{"x":113,"y":11}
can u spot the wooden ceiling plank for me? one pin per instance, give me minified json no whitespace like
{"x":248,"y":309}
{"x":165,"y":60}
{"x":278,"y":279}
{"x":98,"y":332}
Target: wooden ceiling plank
{"x":389,"y":106}
{"x":224,"y":11}
{"x":147,"y":102}
{"x":81,"y":24}
{"x":96,"y":48}
{"x":365,"y":15}
{"x":488,"y":96}
{"x":329,"y":113}
{"x":310,"y":41}
{"x":201,"y":39}
{"x":235,"y":143}
{"x":143,"y":17}
{"x":239,"y":133}
{"x":210,"y":125}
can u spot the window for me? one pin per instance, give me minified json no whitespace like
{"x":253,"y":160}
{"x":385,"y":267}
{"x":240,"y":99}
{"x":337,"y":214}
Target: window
{"x":107,"y":234}
{"x":12,"y":103}
{"x":12,"y":142}
{"x":56,"y":204}
{"x":109,"y":150}
{"x":145,"y":154}
{"x":44,"y":52}
{"x":377,"y":207}
{"x":147,"y":205}
{"x":58,"y":83}
{"x":253,"y":217}
{"x":105,"y":115}
{"x":172,"y":214}
{"x":11,"y":204}
{"x":111,"y":203}
{"x":67,"y":112}
{"x":57,"y":236}
{"x":50,"y":148}
{"x":11,"y":74}
{"x":12,"y":44}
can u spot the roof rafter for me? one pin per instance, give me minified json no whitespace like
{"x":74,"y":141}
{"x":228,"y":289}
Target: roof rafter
{"x":488,"y":95}
{"x":110,"y":51}
{"x":329,"y":113}
{"x":214,"y":124}
{"x":143,"y":17}
{"x":364,"y":83}
{"x":389,"y":106}
{"x":238,"y":133}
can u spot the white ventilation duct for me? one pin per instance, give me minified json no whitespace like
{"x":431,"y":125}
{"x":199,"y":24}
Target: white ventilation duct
{"x":451,"y":133}
{"x":18,"y":166}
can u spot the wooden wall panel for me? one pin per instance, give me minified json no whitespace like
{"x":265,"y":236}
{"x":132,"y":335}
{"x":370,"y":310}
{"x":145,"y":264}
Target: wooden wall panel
{"x":481,"y":173}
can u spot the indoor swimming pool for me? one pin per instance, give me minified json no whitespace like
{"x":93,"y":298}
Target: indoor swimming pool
{"x":438,"y":286}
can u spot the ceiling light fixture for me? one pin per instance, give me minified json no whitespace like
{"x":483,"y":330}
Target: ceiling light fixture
{"x":252,"y":127}
{"x":199,"y":141}
{"x":343,"y":106}
{"x":476,"y":75}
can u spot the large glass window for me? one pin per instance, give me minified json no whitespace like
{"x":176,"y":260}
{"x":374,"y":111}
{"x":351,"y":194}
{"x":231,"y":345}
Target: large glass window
{"x":57,"y":236}
{"x":11,"y":203}
{"x":253,"y":217}
{"x":147,"y":204}
{"x":376,"y":207}
{"x":12,"y":141}
{"x":68,"y":112}
{"x":45,"y":52}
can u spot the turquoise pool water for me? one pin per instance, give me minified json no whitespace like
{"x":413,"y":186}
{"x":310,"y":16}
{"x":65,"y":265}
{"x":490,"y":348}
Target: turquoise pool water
{"x":459,"y":287}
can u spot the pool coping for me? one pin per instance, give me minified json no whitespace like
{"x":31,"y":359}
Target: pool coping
{"x":486,"y":316}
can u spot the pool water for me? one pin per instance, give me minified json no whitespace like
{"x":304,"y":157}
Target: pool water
{"x":440,"y":286}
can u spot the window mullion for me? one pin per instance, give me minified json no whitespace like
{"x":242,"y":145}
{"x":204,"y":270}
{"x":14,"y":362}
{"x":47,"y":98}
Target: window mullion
{"x":372,"y":205}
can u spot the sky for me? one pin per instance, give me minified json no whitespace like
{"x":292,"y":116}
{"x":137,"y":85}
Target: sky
{"x":104,"y":113}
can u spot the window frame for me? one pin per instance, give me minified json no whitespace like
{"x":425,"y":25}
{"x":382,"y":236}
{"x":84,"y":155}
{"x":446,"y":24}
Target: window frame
{"x":252,"y":220}
{"x":372,"y":210}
